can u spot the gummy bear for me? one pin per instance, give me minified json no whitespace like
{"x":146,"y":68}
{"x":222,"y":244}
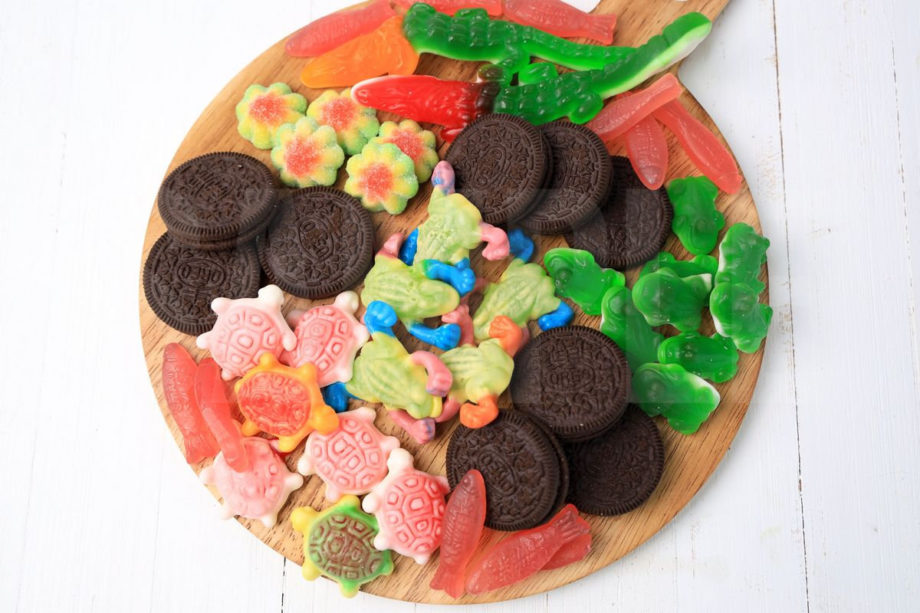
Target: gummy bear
{"x":696,"y":221}
{"x":683,"y":398}
{"x":625,"y":325}
{"x":663,"y":297}
{"x":578,"y":277}
{"x":711,"y":357}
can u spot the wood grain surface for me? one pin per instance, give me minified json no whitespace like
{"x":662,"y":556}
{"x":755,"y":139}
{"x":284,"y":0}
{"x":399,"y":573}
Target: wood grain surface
{"x":690,"y":459}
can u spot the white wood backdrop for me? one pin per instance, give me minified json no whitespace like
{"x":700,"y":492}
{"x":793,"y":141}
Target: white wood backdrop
{"x":815,"y":508}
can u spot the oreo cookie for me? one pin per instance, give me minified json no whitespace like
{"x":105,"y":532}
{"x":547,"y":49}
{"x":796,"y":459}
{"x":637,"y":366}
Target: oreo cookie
{"x":501,"y":164}
{"x":181,"y":281}
{"x":217,"y":201}
{"x":574,"y":380}
{"x":520,"y":465}
{"x":631,"y":227}
{"x":617,"y":471}
{"x":580,"y":180}
{"x":320,"y":243}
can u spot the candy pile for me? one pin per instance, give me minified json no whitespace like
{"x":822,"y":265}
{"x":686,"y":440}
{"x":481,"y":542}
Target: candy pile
{"x":579,"y":433}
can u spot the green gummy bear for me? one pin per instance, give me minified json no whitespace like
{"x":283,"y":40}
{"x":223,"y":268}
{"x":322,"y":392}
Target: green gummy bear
{"x":683,"y":398}
{"x":711,"y":357}
{"x":406,"y":288}
{"x":738,"y":314}
{"x":741,"y":255}
{"x":385,"y":372}
{"x":478,"y":371}
{"x":524,"y":292}
{"x":577,"y":276}
{"x":625,"y":326}
{"x":696,"y":221}
{"x":664,"y":297}
{"x":700,"y":265}
{"x":451,"y":230}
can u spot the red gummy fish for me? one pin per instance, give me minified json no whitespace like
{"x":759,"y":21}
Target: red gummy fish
{"x":464,"y":518}
{"x":179,"y":388}
{"x":524,"y":553}
{"x":492,"y":7}
{"x":327,"y":33}
{"x":557,"y":17}
{"x":647,"y":149}
{"x":212,"y":398}
{"x":625,"y":112}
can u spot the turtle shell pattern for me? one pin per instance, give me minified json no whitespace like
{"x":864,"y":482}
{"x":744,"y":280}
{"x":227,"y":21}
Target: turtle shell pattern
{"x":258,"y":491}
{"x":281,"y":402}
{"x":341,"y":546}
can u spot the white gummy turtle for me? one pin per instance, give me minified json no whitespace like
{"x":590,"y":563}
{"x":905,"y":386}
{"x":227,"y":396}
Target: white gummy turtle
{"x":409,"y":507}
{"x":329,"y":337}
{"x":350,"y":460}
{"x":245,"y":329}
{"x":258,"y":492}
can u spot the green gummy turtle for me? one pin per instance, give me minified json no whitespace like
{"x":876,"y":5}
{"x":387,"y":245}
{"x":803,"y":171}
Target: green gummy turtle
{"x":339,"y":543}
{"x":524,"y":292}
{"x":668,"y":389}
{"x":711,"y":357}
{"x":696,"y":221}
{"x":577,"y":276}
{"x":412,"y":295}
{"x":385,"y":372}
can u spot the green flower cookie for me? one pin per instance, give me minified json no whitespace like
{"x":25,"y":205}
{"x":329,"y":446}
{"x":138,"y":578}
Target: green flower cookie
{"x":307,"y":153}
{"x":415,"y":142}
{"x":265,"y":109}
{"x":354,"y":124}
{"x":383,"y":177}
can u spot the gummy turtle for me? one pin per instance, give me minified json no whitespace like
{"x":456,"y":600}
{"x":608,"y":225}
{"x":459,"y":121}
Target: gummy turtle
{"x":409,"y":506}
{"x":412,"y":295}
{"x":350,"y":460}
{"x":338,"y":543}
{"x":245,"y":329}
{"x":328,"y":336}
{"x":284,"y":402}
{"x":258,"y":492}
{"x":523,"y":293}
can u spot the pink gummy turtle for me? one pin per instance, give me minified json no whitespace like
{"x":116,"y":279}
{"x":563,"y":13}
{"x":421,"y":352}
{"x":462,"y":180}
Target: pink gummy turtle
{"x":257,"y":493}
{"x":350,"y":460}
{"x":329,"y":337}
{"x":409,"y":506}
{"x":245,"y":329}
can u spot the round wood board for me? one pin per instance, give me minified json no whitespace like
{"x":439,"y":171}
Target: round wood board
{"x":690,"y":459}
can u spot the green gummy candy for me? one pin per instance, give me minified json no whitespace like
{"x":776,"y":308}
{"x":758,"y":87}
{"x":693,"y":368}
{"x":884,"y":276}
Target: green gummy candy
{"x":663,"y":297}
{"x":738,"y":314}
{"x":683,"y":398}
{"x":696,"y":221}
{"x":711,"y":357}
{"x":626,"y":327}
{"x":700,"y":265}
{"x":741,"y":255}
{"x":577,"y":276}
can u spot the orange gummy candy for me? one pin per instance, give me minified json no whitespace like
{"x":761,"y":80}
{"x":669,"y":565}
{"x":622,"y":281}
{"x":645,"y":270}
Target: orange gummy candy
{"x":383,"y":51}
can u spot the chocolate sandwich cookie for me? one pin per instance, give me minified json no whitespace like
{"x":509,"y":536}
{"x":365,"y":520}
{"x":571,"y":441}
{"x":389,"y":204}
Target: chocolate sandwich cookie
{"x":579,"y":182}
{"x":617,"y":471}
{"x":631,"y":227}
{"x":500,"y":163}
{"x":520,"y":467}
{"x":181,"y":281}
{"x":217,"y":200}
{"x":320,"y":243}
{"x":574,"y":380}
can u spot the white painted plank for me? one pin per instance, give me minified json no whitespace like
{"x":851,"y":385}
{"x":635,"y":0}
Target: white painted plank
{"x":738,"y":544}
{"x":858,"y":410}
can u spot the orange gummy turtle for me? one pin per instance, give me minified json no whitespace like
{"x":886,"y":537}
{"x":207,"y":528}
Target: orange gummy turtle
{"x":284,"y":402}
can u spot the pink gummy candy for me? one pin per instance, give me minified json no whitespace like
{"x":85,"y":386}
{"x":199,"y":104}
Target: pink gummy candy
{"x":327,"y":33}
{"x":492,"y":7}
{"x":257,"y":493}
{"x":561,"y":19}
{"x":328,"y":337}
{"x":245,"y":329}
{"x":647,"y":149}
{"x":409,"y":506}
{"x":626,"y":111}
{"x":350,"y":460}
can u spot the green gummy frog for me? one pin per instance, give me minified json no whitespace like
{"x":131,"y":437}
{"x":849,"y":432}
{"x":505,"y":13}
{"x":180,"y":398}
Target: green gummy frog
{"x":385,"y":372}
{"x":711,"y":357}
{"x":664,"y":297}
{"x":412,"y":295}
{"x":625,"y":326}
{"x":696,"y":221}
{"x":578,"y":277}
{"x":700,"y":265}
{"x":683,"y":398}
{"x":741,"y":255}
{"x":738,"y":314}
{"x":523,"y":293}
